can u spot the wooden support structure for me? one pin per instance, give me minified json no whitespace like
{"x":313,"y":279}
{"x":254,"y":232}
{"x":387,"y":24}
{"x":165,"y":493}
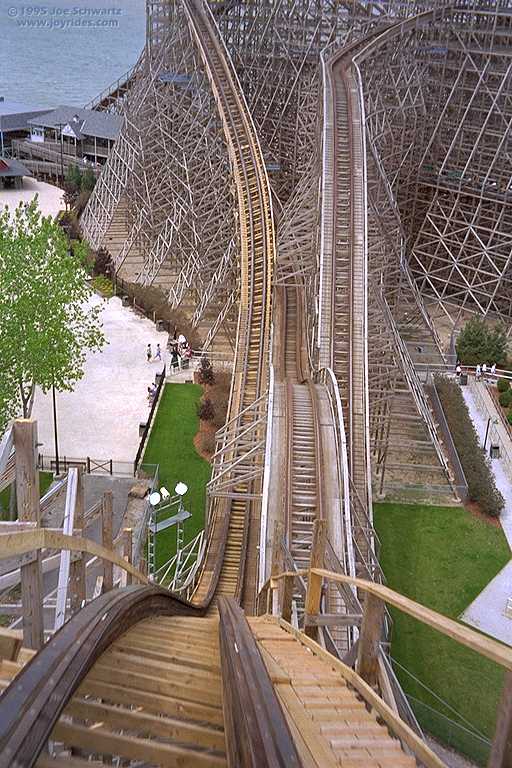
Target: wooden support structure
{"x":369,"y":639}
{"x":501,"y":751}
{"x":27,"y":494}
{"x":314,"y":589}
{"x":65,"y":556}
{"x":107,"y":539}
{"x":128,"y":551}
{"x":77,"y":570}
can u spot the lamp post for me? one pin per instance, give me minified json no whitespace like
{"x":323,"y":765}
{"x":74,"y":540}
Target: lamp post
{"x":55,"y":431}
{"x":156,"y":525}
{"x":180,"y":490}
{"x":494,"y":421}
{"x":60,"y":126}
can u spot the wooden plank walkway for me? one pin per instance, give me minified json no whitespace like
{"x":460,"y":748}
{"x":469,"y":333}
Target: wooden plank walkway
{"x":331,"y":722}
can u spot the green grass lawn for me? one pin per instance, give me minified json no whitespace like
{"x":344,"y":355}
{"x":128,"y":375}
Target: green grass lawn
{"x":45,"y":480}
{"x":171,"y":446}
{"x":442,"y":557}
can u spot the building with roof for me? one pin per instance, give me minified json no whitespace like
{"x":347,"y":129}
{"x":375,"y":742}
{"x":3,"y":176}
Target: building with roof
{"x":68,"y":136}
{"x":14,"y":117}
{"x":12,"y":173}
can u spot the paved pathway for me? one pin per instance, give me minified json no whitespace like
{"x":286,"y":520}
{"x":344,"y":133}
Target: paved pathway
{"x":50,"y":197}
{"x":101,"y":417}
{"x":487,"y":611}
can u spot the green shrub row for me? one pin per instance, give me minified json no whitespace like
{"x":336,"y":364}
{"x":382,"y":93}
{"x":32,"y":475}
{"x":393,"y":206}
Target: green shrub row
{"x":480,"y":479}
{"x":503,"y":385}
{"x":505,"y":398}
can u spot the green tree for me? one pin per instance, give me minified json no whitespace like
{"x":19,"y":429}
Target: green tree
{"x":480,"y":343}
{"x":88,"y":180}
{"x":73,"y":179}
{"x":46,"y":324}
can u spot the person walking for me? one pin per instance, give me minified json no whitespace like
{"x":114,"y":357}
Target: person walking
{"x":493,"y":369}
{"x":484,"y":371}
{"x":458,"y":370}
{"x":158,"y":353}
{"x":478,"y":372}
{"x":149,"y":353}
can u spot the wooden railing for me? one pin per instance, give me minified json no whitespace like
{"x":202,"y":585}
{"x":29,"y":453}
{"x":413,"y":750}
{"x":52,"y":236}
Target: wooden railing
{"x":65,"y":547}
{"x":277,"y":594}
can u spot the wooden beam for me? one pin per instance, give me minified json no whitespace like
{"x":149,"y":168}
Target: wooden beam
{"x":501,"y":751}
{"x":328,"y":619}
{"x":65,"y":562}
{"x":369,"y":639}
{"x":314,"y":588}
{"x":27,"y":496}
{"x":10,"y":643}
{"x":128,"y":551}
{"x":287,"y":598}
{"x":12,"y":544}
{"x":107,"y":539}
{"x":486,"y":646}
{"x":6,"y":446}
{"x":77,"y":571}
{"x":99,"y":740}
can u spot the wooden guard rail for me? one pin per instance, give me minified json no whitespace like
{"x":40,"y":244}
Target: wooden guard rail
{"x":279,"y":591}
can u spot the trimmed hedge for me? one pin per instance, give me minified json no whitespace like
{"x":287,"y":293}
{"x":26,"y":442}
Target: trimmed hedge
{"x":480,"y":479}
{"x":505,"y":399}
{"x":503,"y":385}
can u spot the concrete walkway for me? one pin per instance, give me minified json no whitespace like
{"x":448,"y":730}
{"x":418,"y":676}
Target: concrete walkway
{"x":101,"y":417}
{"x":487,"y":611}
{"x":50,"y":197}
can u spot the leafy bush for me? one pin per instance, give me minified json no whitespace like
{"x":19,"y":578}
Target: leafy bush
{"x":509,"y":418}
{"x":506,"y":398}
{"x":205,"y":372}
{"x":69,"y":223}
{"x":481,"y":483}
{"x":480,"y":343}
{"x":219,"y":395}
{"x":205,"y":410}
{"x":503,"y":385}
{"x":102,"y":263}
{"x":103,"y":285}
{"x":88,"y":181}
{"x":207,"y":443}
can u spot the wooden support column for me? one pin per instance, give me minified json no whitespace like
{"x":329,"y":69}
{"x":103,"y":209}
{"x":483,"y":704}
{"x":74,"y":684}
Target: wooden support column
{"x":276,"y":567}
{"x":369,"y":639}
{"x":127,"y":550}
{"x":27,"y":493}
{"x":77,"y":571}
{"x":286,"y":606}
{"x":501,"y":751}
{"x":107,"y":539}
{"x":314,"y":589}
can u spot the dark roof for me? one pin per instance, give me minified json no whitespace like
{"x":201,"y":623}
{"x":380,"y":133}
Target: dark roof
{"x":103,"y":125}
{"x":12,"y":167}
{"x":14,"y":116}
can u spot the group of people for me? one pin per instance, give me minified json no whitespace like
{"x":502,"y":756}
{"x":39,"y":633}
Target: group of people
{"x":481,"y":370}
{"x":180,"y":348}
{"x":484,"y":370}
{"x":149,"y":354}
